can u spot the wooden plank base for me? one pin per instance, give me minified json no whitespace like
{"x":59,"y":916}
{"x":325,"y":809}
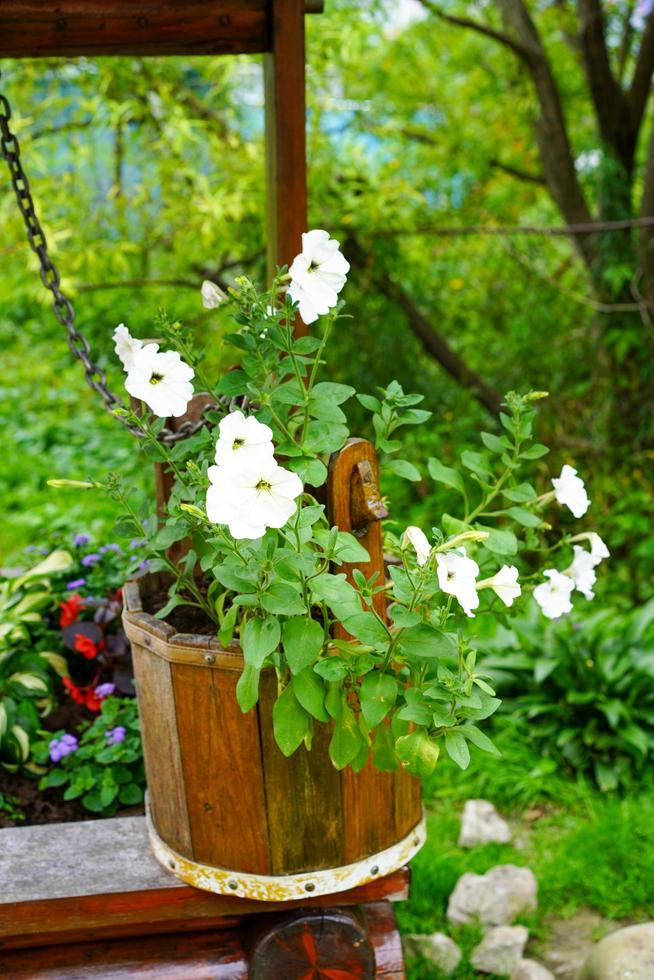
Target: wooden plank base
{"x":88,"y":900}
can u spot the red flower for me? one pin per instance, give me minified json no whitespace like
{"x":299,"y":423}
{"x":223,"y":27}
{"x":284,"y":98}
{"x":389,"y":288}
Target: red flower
{"x":86,"y":646}
{"x":92,"y":700}
{"x":76,"y":693}
{"x":70,"y":610}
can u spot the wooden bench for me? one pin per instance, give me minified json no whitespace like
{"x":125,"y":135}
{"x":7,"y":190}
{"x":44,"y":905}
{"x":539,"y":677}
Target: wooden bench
{"x":89,"y":900}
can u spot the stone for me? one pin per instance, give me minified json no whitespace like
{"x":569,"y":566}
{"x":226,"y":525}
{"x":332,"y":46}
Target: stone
{"x":482,"y":824}
{"x":496,"y":898}
{"x":438,"y":950}
{"x":500,"y":950}
{"x":627,"y":954}
{"x":531,"y":970}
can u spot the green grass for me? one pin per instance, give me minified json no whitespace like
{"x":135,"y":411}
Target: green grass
{"x":586,"y":849}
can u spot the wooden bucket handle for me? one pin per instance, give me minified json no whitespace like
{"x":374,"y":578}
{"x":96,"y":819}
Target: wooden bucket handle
{"x":354,"y":504}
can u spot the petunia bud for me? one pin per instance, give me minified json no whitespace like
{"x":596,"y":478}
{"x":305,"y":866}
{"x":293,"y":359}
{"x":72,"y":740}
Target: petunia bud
{"x":212,"y":295}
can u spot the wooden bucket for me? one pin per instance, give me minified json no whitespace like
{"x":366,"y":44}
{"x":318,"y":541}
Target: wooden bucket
{"x":228,"y":812}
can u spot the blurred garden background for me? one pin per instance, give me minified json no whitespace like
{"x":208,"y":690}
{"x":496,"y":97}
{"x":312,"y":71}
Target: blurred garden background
{"x":450,"y":146}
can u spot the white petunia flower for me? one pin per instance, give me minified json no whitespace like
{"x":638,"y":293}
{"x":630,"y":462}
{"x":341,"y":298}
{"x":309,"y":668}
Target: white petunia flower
{"x":126,"y":346}
{"x":419,"y":542}
{"x":457,"y":575}
{"x":212,"y":295}
{"x":553,"y":596}
{"x":504,"y":583}
{"x":317,"y":274}
{"x":162,"y":380}
{"x":242,"y":439}
{"x":570,"y":491}
{"x":598,"y":549}
{"x":582,"y":571}
{"x":252,"y":496}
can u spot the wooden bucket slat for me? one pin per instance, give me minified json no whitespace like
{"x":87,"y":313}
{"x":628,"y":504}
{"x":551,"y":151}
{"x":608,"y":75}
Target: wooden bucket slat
{"x":225,"y":792}
{"x":306,"y":783}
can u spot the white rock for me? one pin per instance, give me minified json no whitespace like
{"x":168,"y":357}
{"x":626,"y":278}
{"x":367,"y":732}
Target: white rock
{"x":496,"y":898}
{"x":627,"y":953}
{"x":437,"y":949}
{"x":482,"y":824}
{"x":500,"y":950}
{"x":531,"y":970}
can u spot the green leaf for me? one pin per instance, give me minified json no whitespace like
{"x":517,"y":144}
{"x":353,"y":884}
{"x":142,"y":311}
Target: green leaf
{"x":341,"y":597}
{"x":444,"y":474}
{"x":425,"y":641}
{"x":368,"y":629}
{"x":520,"y":494}
{"x":247,"y":689}
{"x":346,"y":738}
{"x":303,"y":639}
{"x":326,"y":411}
{"x":402,"y":618}
{"x":282,"y":600}
{"x":310,"y":692}
{"x":332,"y":392}
{"x":291,"y":723}
{"x":325,"y":437}
{"x":457,"y":749}
{"x":401,"y":467}
{"x":311,"y":471}
{"x":331,"y":668}
{"x":346,"y":547}
{"x":259,"y":638}
{"x":500,"y":542}
{"x":377,"y":694}
{"x":535,"y":451}
{"x":417,"y":752}
{"x":232,"y":383}
{"x":482,"y":741}
{"x":57,"y":777}
{"x":476,"y":463}
{"x":523,"y":516}
{"x":370,"y":402}
{"x":383,"y":750}
{"x":494,"y":443}
{"x":173,"y":602}
{"x":131,"y":795}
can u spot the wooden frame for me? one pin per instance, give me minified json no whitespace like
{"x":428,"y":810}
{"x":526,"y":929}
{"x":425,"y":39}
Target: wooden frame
{"x":71,"y":28}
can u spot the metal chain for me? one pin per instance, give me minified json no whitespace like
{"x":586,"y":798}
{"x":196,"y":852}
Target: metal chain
{"x":63,"y":308}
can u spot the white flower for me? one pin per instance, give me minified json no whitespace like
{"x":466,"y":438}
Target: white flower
{"x":252,"y":496}
{"x":161,"y":379}
{"x":242,"y":439}
{"x":126,"y":346}
{"x":212,"y":295}
{"x":317,"y":275}
{"x":598,"y":549}
{"x":419,"y":542}
{"x":553,"y":597}
{"x":504,"y":583}
{"x":569,"y":490}
{"x":457,"y":576}
{"x":582,"y":571}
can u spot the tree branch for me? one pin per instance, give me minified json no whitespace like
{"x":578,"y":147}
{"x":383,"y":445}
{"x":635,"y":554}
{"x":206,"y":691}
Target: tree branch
{"x":517,"y":173}
{"x":641,"y":82}
{"x":479,"y":27}
{"x":610,"y":103}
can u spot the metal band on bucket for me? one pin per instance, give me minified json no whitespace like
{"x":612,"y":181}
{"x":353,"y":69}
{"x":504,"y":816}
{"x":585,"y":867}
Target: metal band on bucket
{"x":285,"y":888}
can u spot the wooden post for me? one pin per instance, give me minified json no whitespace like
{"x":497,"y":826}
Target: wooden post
{"x":285,"y":135}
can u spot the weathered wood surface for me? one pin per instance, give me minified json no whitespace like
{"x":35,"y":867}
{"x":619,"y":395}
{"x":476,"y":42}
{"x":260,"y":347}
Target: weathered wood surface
{"x":64,"y":883}
{"x":332,"y":944}
{"x":33,"y":28}
{"x":285,"y":115}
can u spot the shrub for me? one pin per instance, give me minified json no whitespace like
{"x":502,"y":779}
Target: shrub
{"x":583,"y":689}
{"x":104,"y":767}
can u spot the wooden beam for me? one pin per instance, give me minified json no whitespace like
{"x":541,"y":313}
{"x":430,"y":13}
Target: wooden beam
{"x":33,"y":28}
{"x":285,"y":135}
{"x":98,"y":879}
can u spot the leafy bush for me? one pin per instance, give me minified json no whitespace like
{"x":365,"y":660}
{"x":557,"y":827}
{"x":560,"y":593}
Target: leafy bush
{"x":583,"y":689}
{"x":105,"y":769}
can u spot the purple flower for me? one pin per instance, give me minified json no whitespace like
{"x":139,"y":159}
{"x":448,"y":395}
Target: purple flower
{"x":81,"y":539}
{"x":61,"y":747}
{"x":109,"y":547}
{"x":104,"y":690}
{"x":77,"y":583}
{"x":136,"y":543}
{"x":144,"y":565}
{"x":89,"y":560}
{"x":115,"y":735}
